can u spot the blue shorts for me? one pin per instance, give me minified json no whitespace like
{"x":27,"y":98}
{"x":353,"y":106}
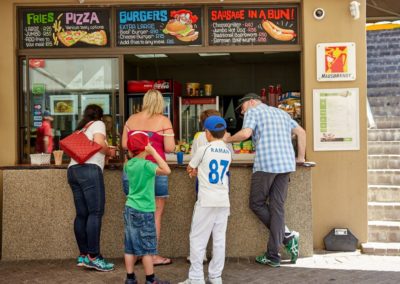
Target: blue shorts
{"x":140,"y":232}
{"x":161,"y":186}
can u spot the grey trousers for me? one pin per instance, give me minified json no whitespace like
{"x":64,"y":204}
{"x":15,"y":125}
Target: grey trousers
{"x":267,"y":200}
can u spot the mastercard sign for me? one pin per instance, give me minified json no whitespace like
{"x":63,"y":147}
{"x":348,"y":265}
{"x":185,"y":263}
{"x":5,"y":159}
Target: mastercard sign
{"x":336,"y":62}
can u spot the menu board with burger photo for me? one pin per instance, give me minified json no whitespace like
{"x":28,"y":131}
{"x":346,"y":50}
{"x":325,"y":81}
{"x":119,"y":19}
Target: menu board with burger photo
{"x":159,"y":27}
{"x":253,"y":26}
{"x":53,"y":28}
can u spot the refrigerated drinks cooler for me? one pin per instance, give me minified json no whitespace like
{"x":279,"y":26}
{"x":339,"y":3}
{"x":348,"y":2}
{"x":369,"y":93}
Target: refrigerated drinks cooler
{"x":170,"y":90}
{"x":190,"y":109}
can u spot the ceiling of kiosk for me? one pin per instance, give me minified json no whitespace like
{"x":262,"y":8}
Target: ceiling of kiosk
{"x":229,"y":58}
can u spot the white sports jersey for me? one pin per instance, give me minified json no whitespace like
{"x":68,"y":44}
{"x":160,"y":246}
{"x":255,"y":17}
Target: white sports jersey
{"x":212,"y":162}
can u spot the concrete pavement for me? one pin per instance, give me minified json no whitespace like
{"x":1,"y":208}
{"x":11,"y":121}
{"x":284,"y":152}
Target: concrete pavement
{"x":321,"y":268}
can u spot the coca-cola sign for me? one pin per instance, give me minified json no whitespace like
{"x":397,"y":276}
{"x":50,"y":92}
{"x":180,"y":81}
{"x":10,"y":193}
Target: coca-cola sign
{"x":164,"y":85}
{"x":142,"y":86}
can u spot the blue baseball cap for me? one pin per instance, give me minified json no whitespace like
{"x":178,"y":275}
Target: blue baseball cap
{"x":212,"y":123}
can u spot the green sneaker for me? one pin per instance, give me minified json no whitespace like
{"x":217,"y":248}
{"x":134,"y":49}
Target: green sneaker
{"x":79,"y":260}
{"x":99,"y":263}
{"x":292,"y":247}
{"x":263,"y":259}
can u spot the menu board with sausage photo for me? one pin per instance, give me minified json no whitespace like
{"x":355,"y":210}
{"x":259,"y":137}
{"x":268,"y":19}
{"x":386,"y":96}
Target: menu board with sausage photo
{"x":159,"y":27}
{"x":52,"y":28}
{"x":253,"y":26}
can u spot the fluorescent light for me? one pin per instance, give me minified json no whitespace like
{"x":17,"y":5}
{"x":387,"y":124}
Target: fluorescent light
{"x":151,"y":55}
{"x":214,"y":54}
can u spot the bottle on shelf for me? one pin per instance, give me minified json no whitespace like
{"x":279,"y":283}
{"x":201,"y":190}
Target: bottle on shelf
{"x":271,"y":96}
{"x":278,"y":94}
{"x":263,"y":96}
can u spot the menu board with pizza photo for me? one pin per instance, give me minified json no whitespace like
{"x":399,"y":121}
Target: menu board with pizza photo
{"x":65,"y":28}
{"x":159,"y":26}
{"x":267,"y":25}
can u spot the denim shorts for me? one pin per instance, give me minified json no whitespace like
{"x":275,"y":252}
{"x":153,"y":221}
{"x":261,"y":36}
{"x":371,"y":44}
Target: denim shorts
{"x":140,"y":232}
{"x":161,"y":185}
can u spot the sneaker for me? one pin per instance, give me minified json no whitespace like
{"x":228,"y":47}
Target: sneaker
{"x":131,"y":281}
{"x":217,"y":280}
{"x":263,"y":259}
{"x":99,"y":263}
{"x":79,"y":260}
{"x":292,"y":247}
{"x":193,"y":281}
{"x":157,"y":281}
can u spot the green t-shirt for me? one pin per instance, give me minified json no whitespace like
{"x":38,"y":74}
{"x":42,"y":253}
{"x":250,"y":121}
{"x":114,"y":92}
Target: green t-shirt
{"x":141,"y":175}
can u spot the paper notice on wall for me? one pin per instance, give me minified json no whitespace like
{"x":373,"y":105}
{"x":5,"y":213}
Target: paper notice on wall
{"x":336,"y":119}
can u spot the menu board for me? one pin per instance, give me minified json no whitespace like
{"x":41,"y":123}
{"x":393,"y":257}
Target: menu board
{"x":67,"y":28}
{"x":159,"y":27}
{"x":253,"y":26}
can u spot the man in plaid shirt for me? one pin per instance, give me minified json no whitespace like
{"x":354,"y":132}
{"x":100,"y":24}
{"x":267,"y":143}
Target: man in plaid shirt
{"x":271,"y":130}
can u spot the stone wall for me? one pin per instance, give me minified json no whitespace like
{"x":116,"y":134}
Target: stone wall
{"x":38,"y":215}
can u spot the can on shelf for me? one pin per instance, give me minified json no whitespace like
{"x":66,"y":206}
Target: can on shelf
{"x":208,"y":89}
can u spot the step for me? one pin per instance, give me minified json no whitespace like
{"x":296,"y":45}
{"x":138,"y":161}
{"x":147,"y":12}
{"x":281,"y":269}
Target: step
{"x":383,"y":147}
{"x":384,"y":177}
{"x":384,"y":231}
{"x":383,"y":193}
{"x":385,"y":97}
{"x":383,"y":162}
{"x":383,"y":122}
{"x":387,"y":134}
{"x":385,"y":110}
{"x":384,"y":211}
{"x":381,"y":248}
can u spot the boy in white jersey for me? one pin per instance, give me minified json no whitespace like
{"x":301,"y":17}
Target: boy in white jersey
{"x":210,"y":164}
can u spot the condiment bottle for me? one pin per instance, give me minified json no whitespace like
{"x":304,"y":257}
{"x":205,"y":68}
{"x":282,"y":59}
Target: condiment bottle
{"x":271,"y":95}
{"x":278,"y":94}
{"x":263,"y":96}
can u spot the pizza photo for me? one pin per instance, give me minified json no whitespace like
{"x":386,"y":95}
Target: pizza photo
{"x":69,"y":38}
{"x":95,"y":38}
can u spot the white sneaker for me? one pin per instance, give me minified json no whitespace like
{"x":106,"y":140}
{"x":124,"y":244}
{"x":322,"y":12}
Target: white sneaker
{"x":217,"y":280}
{"x":193,"y":281}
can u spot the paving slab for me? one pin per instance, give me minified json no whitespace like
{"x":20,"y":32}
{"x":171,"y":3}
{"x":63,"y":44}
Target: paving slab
{"x":322,"y":267}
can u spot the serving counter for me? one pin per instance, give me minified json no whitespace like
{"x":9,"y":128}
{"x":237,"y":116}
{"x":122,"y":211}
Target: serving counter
{"x":38,"y":213}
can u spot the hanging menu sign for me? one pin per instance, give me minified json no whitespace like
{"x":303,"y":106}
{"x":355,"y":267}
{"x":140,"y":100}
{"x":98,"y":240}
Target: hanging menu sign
{"x":53,"y":28}
{"x":159,"y":27}
{"x":253,"y":26}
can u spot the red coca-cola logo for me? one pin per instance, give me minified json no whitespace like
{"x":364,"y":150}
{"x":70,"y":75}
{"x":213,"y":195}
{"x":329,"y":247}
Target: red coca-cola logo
{"x":145,"y":85}
{"x":163,"y":85}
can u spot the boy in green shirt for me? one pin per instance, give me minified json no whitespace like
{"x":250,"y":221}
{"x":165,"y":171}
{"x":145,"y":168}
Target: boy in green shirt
{"x":140,"y":206}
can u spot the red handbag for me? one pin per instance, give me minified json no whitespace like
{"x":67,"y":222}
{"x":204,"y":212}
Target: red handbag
{"x":78,"y":146}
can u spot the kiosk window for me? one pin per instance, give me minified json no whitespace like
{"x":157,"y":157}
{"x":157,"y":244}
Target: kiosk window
{"x":61,"y":89}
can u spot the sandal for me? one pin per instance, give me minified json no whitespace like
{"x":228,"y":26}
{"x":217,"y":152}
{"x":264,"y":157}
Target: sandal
{"x":164,"y":261}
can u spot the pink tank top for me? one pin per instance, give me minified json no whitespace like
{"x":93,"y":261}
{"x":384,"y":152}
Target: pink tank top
{"x":157,"y":141}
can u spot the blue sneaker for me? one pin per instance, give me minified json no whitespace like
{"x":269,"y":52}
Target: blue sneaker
{"x":99,"y":263}
{"x":79,"y":260}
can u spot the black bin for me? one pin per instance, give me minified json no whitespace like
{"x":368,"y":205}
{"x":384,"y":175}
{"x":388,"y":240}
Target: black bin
{"x":340,"y":240}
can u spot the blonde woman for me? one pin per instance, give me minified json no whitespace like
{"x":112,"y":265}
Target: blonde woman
{"x":159,"y":129}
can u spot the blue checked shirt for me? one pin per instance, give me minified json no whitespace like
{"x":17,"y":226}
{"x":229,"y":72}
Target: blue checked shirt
{"x":272,"y":136}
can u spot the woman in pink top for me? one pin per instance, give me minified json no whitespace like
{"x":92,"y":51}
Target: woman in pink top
{"x":159,"y":128}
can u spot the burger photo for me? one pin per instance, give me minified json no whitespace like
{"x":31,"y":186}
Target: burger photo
{"x":181,"y":25}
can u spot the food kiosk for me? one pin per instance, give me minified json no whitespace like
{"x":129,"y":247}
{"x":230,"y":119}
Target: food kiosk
{"x":76,"y":53}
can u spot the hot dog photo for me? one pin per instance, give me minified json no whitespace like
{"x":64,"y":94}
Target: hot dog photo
{"x":277,"y":32}
{"x":181,"y":25}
